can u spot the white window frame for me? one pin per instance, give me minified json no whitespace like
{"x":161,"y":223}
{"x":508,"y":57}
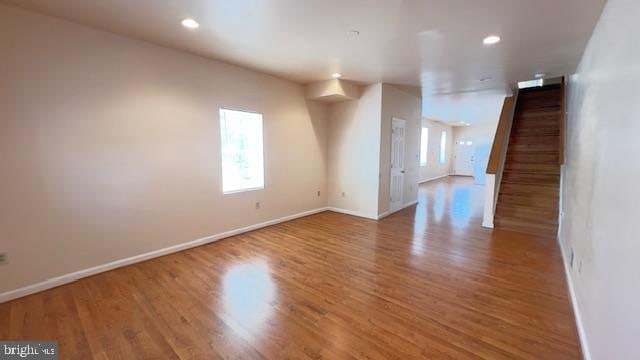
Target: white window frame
{"x":264,"y":178}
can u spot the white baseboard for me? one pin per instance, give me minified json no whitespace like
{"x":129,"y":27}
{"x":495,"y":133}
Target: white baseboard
{"x":411,"y":203}
{"x":67,"y":278}
{"x":368,"y":216}
{"x":352,"y":212}
{"x":488,"y":225}
{"x":435,"y":178}
{"x":387,"y":213}
{"x":574,"y":302}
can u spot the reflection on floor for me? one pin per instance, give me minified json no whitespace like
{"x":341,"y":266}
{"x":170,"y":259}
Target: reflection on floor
{"x":458,"y":197}
{"x":426,"y":282}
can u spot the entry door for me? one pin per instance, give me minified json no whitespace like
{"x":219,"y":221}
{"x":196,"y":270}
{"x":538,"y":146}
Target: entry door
{"x":464,"y":158}
{"x":397,"y":164}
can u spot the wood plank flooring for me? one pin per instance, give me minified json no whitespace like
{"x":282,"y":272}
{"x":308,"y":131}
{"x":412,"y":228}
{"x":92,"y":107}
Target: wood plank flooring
{"x":426,"y":282}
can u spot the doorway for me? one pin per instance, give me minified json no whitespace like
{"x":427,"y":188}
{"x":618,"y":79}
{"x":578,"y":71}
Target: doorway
{"x":464,"y":158}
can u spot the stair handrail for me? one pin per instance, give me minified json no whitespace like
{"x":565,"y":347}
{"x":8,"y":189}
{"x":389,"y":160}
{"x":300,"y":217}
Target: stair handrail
{"x":497,"y":158}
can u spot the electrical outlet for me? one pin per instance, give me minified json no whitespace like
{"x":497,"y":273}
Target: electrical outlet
{"x":3,"y":259}
{"x":257,"y":205}
{"x":343,"y":194}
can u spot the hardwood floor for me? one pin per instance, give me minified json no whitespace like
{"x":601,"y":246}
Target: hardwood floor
{"x":426,"y":282}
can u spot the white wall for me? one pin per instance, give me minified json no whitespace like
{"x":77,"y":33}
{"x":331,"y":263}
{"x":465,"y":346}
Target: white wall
{"x":601,"y":195}
{"x":110,"y":147}
{"x":404,"y":105}
{"x":354,"y":153}
{"x":434,"y":168}
{"x":480,"y":134}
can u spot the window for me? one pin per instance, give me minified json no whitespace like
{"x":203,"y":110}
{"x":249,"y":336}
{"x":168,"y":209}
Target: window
{"x":424,"y":146}
{"x":241,"y":149}
{"x":443,"y":146}
{"x":530,"y":83}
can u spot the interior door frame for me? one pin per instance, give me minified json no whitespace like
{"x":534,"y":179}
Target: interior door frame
{"x":395,"y":206}
{"x":456,"y":157}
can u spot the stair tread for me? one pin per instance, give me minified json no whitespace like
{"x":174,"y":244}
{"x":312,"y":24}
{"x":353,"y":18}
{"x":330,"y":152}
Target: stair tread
{"x":523,"y":193}
{"x":506,"y":209}
{"x":541,"y":179}
{"x":526,"y":112}
{"x":554,"y":147}
{"x":525,"y":224}
{"x":523,"y":228}
{"x":517,"y":131}
{"x":526,"y":215}
{"x":533,"y":203}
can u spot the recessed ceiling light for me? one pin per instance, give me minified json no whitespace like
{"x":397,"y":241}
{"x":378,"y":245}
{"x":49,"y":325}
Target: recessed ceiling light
{"x":491,"y":39}
{"x":539,"y":75}
{"x":190,"y":23}
{"x":336,"y":75}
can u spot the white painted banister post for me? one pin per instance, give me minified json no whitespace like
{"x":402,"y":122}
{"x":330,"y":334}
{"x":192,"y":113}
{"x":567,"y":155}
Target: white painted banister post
{"x":489,"y":201}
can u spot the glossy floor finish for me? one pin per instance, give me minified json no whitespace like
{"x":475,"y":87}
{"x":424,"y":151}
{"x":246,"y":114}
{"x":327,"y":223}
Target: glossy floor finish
{"x":426,"y":282}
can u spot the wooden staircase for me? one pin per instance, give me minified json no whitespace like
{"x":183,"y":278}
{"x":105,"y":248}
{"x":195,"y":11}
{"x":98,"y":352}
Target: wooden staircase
{"x":528,"y":198}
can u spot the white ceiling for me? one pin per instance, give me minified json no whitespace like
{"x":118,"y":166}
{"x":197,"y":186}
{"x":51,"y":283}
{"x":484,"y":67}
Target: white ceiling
{"x":473,"y":107}
{"x":435,"y":44}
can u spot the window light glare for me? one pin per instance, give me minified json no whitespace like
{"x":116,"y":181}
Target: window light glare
{"x":336,"y":75}
{"x":241,"y":150}
{"x":491,"y":40}
{"x":424,"y":146}
{"x":443,"y":147}
{"x":530,"y":83}
{"x":190,"y":23}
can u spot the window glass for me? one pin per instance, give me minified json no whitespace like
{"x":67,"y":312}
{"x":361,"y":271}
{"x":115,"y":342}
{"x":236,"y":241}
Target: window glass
{"x":242,"y":151}
{"x":424,"y":146}
{"x":443,"y":147}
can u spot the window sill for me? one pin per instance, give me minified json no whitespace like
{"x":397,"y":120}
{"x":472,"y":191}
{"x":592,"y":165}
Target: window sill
{"x":242,"y":190}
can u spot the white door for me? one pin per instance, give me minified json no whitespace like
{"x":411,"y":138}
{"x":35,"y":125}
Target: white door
{"x":464,"y":158}
{"x":397,"y":164}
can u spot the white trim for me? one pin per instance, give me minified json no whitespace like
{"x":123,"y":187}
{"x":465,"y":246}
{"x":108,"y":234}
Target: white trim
{"x":582,"y":335}
{"x":387,"y":213}
{"x":353,"y":213}
{"x":67,"y":278}
{"x":231,"y":192}
{"x":435,"y":178}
